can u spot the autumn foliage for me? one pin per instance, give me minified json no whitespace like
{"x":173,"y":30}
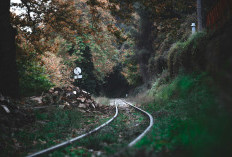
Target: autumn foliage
{"x":57,"y":31}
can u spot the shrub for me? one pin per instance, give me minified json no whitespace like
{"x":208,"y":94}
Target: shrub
{"x":188,"y":54}
{"x":32,"y":78}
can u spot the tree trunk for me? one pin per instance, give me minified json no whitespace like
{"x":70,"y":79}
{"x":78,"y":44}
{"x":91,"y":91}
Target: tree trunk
{"x":8,"y":73}
{"x":199,"y":15}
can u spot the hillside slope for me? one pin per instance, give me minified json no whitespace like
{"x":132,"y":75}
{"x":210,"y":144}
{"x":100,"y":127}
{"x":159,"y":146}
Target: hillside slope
{"x":191,"y":101}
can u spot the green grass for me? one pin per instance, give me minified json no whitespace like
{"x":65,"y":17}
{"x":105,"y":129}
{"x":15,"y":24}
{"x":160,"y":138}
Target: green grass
{"x":108,"y":135}
{"x":95,"y":142}
{"x":51,"y":127}
{"x":109,"y":139}
{"x":189,"y":121}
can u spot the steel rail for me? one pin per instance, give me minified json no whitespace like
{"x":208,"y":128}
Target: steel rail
{"x":76,"y":138}
{"x":146,"y":130}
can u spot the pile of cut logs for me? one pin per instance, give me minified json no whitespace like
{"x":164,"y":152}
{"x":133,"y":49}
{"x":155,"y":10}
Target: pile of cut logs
{"x":15,"y":113}
{"x":69,"y":97}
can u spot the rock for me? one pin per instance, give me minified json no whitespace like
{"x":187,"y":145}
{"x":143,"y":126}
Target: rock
{"x":37,"y":99}
{"x":81,"y":99}
{"x":87,"y":105}
{"x":51,"y":90}
{"x":96,"y":104}
{"x":83,"y":111}
{"x":82,"y":105}
{"x":66,"y":104}
{"x":89,"y":101}
{"x":72,"y":96}
{"x":69,"y":89}
{"x":93,"y":105}
{"x":68,"y":94}
{"x":61,"y":106}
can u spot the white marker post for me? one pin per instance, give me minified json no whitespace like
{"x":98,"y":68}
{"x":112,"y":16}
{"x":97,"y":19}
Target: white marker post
{"x":77,"y":72}
{"x":193,"y":28}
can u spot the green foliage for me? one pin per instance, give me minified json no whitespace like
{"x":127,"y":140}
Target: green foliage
{"x":132,"y":73}
{"x":96,"y":58}
{"x":88,"y":81}
{"x":130,"y":64}
{"x":189,"y":120}
{"x":33,"y":79}
{"x":186,"y":54}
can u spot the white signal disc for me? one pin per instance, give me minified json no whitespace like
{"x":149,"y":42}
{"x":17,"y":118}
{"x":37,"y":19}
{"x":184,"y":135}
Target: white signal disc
{"x":77,"y":70}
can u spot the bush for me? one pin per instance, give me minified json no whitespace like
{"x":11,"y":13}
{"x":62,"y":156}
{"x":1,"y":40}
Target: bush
{"x":188,"y":54}
{"x":32,"y":78}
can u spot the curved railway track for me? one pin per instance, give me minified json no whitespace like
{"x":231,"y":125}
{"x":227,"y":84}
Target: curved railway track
{"x":146,"y":130}
{"x":132,"y":143}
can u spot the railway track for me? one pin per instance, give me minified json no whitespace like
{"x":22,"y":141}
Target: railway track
{"x":146,"y":130}
{"x":132,"y":143}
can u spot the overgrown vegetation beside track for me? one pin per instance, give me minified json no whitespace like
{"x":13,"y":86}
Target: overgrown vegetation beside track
{"x":51,"y":126}
{"x":189,"y":119}
{"x":190,"y":100}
